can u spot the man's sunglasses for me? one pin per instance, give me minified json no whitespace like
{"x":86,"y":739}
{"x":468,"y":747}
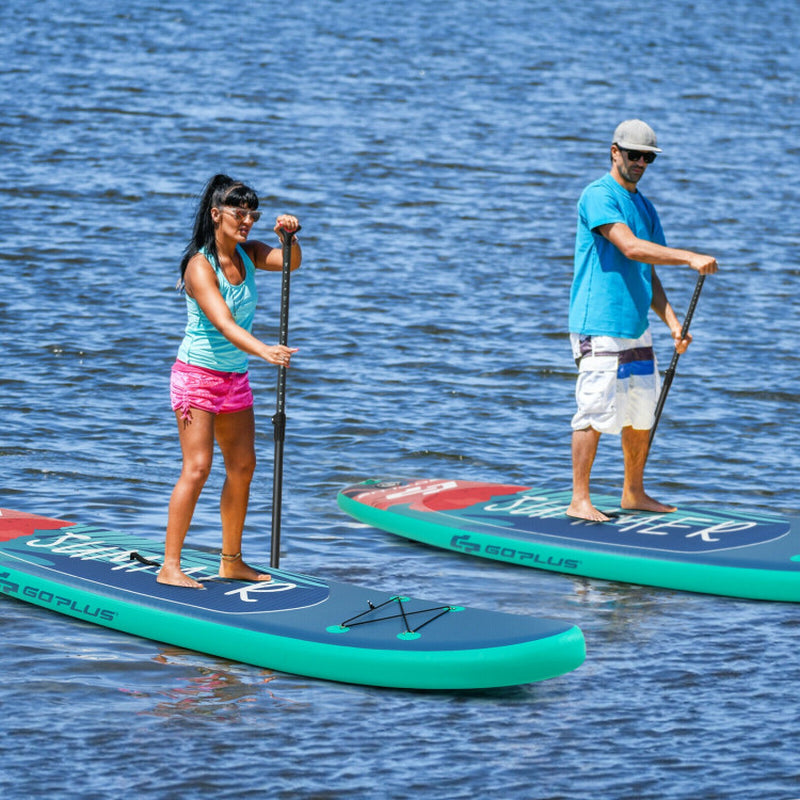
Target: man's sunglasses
{"x":635,"y":155}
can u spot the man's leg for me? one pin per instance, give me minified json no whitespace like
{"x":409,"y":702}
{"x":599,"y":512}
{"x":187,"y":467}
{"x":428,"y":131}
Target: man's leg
{"x":584,"y":449}
{"x":634,"y":451}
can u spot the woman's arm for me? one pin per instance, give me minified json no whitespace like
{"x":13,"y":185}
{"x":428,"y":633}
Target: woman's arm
{"x":270,"y":258}
{"x":201,"y":285}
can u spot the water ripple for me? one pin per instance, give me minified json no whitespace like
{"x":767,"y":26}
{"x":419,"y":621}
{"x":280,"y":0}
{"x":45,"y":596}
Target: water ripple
{"x":435,"y":154}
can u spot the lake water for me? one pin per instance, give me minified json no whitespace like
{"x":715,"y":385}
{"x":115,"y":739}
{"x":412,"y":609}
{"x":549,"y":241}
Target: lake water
{"x":434,"y":152}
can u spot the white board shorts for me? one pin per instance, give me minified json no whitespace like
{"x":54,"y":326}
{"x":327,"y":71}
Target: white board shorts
{"x":618,"y":382}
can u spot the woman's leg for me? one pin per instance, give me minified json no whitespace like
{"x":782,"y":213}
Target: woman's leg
{"x":235,"y":434}
{"x":197,"y":445}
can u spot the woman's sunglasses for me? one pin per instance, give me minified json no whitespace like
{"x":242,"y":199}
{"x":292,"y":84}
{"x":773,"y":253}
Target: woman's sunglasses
{"x":242,"y":214}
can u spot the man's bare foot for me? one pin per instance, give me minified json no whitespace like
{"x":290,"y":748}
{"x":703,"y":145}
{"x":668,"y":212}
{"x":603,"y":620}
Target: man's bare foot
{"x":585,"y":510}
{"x":233,"y":567}
{"x":643,"y":502}
{"x":175,"y":577}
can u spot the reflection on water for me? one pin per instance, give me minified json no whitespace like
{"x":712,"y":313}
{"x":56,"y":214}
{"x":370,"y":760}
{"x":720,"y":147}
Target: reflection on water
{"x":205,"y":691}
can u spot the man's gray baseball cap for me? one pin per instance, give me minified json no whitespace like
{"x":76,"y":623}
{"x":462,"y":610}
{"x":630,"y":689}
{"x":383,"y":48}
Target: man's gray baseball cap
{"x":633,"y":134}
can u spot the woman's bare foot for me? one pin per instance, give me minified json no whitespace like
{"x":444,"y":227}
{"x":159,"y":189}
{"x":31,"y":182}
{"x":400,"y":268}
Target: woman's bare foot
{"x":643,"y":502}
{"x":232,"y":566}
{"x":172,"y":576}
{"x":585,"y":510}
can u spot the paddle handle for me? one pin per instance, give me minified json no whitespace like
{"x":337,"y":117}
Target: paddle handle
{"x":670,"y":373}
{"x":279,"y":418}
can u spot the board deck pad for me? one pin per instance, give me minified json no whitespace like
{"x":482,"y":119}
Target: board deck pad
{"x":294,"y":623}
{"x":700,"y":549}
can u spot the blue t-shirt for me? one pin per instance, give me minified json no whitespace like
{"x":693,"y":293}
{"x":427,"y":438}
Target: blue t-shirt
{"x":611,"y":295}
{"x":203,"y":345}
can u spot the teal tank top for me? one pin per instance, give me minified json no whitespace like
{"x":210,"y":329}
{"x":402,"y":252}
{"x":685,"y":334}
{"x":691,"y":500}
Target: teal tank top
{"x":203,"y":345}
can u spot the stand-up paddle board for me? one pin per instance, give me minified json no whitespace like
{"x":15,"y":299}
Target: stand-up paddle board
{"x":293,"y":623}
{"x":697,"y":549}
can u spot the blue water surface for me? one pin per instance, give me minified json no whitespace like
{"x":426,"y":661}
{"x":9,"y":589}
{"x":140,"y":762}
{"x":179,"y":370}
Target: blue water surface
{"x":434,"y":152}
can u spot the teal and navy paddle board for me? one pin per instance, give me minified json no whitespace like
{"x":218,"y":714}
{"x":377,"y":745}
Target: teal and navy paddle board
{"x":293,"y":623}
{"x":697,"y":549}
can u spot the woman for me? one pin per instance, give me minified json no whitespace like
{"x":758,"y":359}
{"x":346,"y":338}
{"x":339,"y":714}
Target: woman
{"x":210,"y":392}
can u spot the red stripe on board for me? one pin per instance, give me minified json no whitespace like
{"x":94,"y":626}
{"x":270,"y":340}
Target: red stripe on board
{"x":14,"y":524}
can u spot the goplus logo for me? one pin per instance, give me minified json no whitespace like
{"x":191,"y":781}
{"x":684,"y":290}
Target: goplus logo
{"x":60,"y":602}
{"x":465,"y":544}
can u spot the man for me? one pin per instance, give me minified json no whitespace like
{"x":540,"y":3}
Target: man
{"x":619,"y":241}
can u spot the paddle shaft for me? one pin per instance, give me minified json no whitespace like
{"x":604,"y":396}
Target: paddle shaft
{"x":279,"y":419}
{"x":670,"y":373}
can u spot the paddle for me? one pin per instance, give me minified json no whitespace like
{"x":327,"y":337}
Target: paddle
{"x":279,"y":419}
{"x":670,"y":373}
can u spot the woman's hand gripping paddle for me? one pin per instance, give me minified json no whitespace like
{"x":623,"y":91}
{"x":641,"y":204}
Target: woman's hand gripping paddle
{"x":670,"y":373}
{"x":279,"y":419}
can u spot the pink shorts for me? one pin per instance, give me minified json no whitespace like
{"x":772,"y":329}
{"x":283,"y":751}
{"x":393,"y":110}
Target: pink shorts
{"x":208,"y":389}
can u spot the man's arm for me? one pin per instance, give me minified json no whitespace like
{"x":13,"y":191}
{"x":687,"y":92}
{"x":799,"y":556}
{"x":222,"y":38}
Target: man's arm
{"x":623,"y":238}
{"x":661,"y":306}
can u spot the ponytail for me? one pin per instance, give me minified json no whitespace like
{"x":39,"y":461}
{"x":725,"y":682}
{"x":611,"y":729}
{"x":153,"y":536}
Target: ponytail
{"x":220,"y":190}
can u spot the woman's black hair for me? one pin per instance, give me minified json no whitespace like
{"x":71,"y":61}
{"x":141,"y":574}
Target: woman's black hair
{"x":220,"y":191}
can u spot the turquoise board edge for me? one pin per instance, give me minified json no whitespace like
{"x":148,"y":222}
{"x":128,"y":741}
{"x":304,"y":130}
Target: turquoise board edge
{"x":510,"y":665}
{"x":623,"y":568}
